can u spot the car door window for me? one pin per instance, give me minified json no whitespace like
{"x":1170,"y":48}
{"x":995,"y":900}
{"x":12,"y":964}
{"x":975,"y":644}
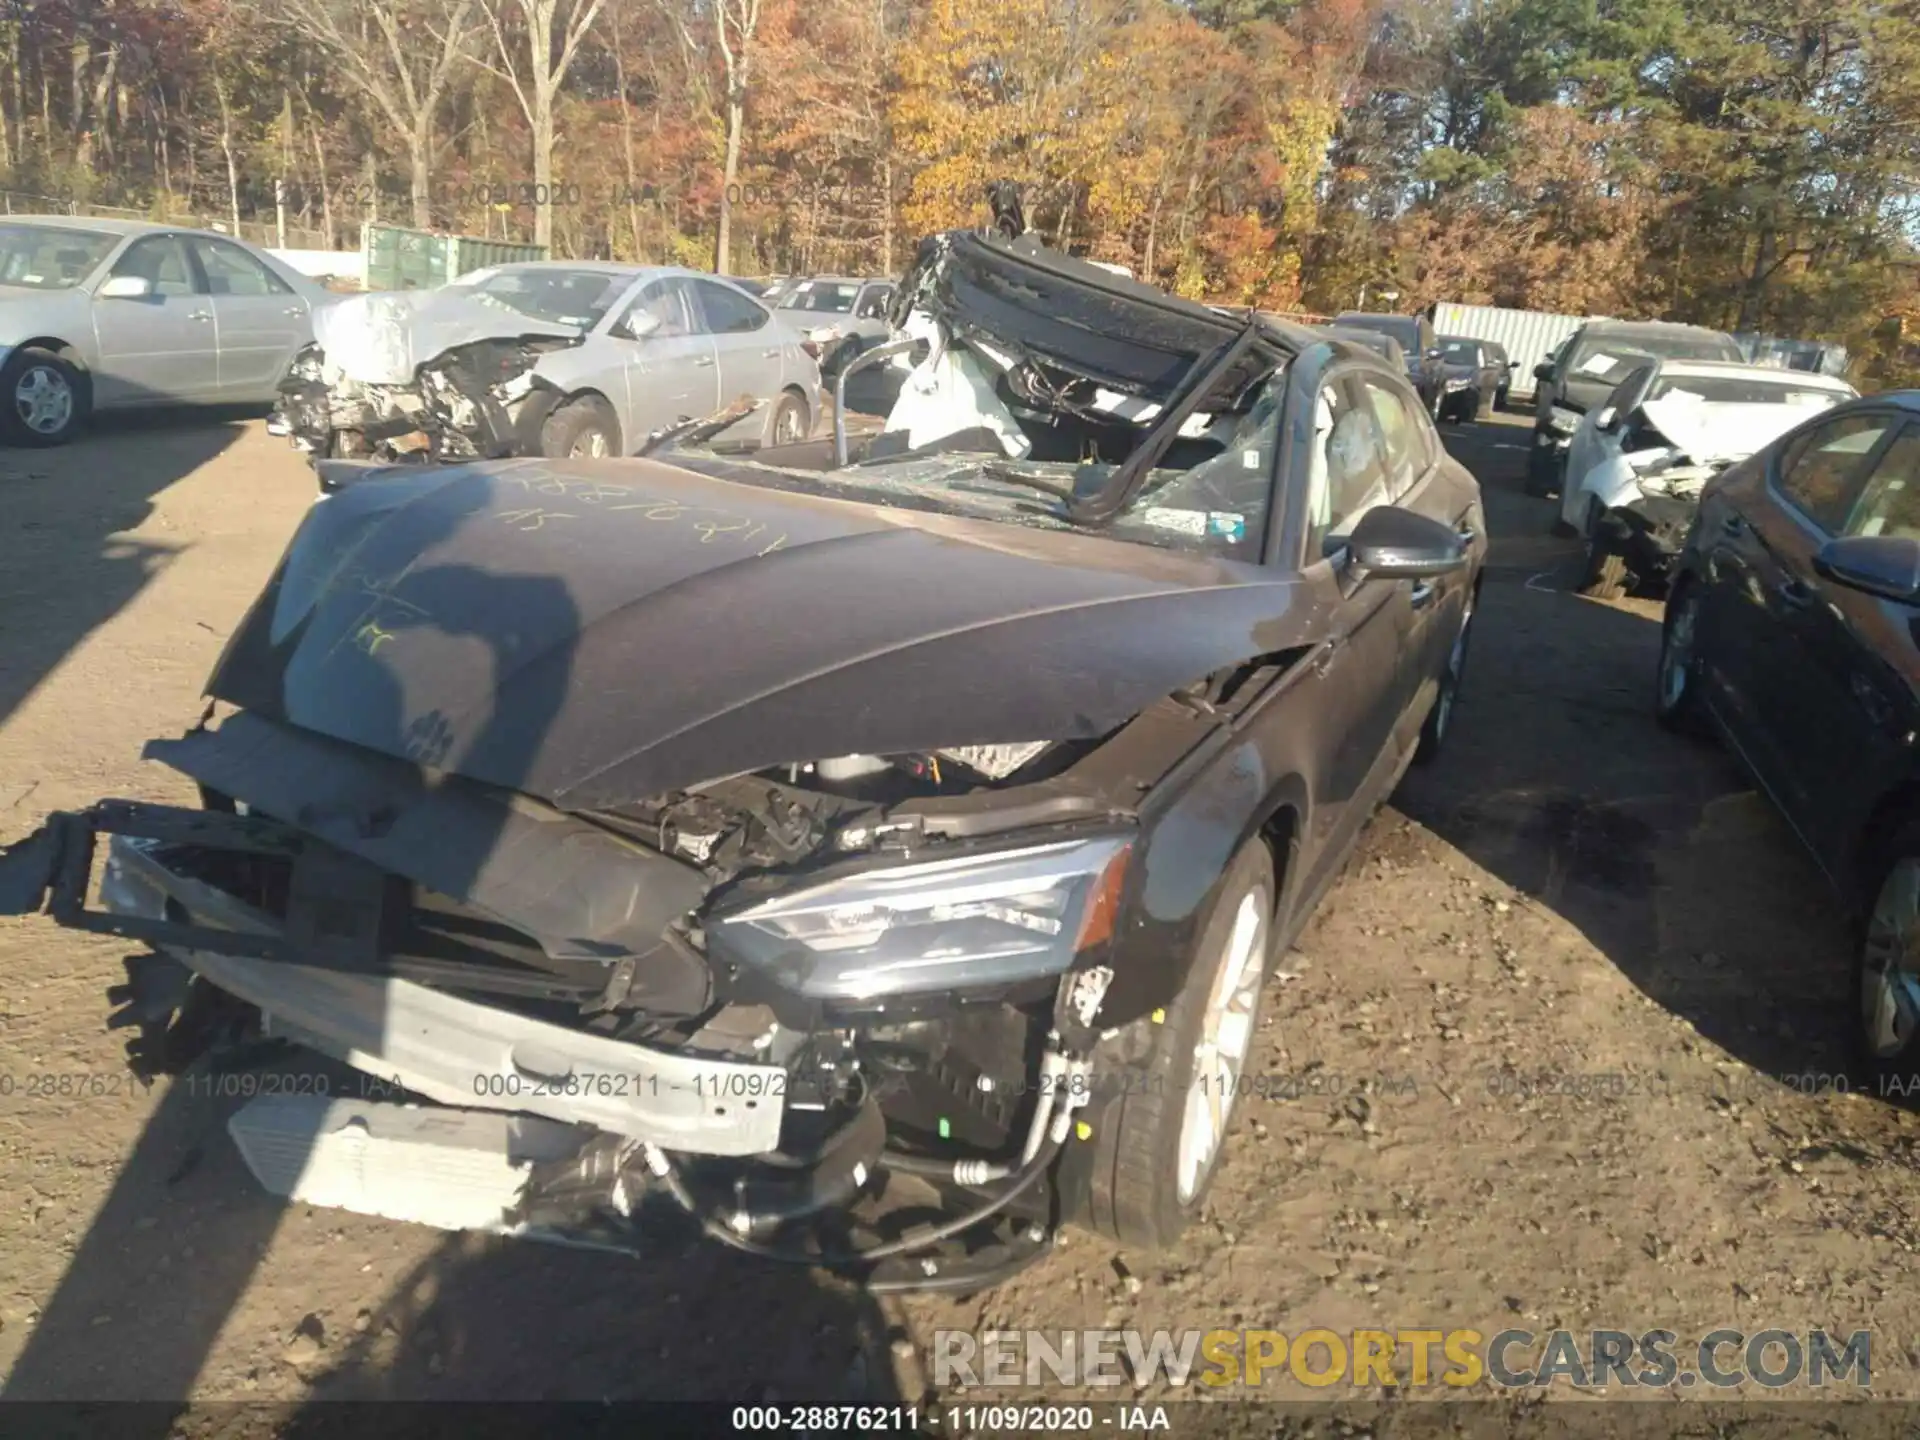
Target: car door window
{"x":162,"y":261}
{"x":1404,"y":454}
{"x":666,"y":301}
{"x":1890,"y":504}
{"x":231,"y":271}
{"x":1821,"y":475}
{"x":873,"y":304}
{"x":727,"y":311}
{"x":1347,"y":467}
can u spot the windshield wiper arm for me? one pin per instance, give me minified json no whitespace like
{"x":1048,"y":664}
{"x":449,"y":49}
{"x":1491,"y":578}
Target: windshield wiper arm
{"x":1009,"y":475}
{"x":1127,"y":478}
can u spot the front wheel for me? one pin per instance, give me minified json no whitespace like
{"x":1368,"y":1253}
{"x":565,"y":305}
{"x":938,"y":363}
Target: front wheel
{"x":1543,"y":470}
{"x":1886,"y":1037}
{"x":1439,"y":721}
{"x":1676,"y":701}
{"x":45,"y":398}
{"x":788,"y":424}
{"x":1160,"y":1145}
{"x":581,"y":429}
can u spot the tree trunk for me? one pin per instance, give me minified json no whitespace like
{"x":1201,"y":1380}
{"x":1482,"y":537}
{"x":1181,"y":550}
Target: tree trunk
{"x":326,"y":186}
{"x":1153,"y":238}
{"x":730,"y":178}
{"x":619,"y":50}
{"x":420,"y":165}
{"x":226,"y":148}
{"x":543,"y":169}
{"x":886,"y":212}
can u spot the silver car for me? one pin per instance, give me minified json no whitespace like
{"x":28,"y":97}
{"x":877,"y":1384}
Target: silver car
{"x":841,"y":314}
{"x":545,"y":358}
{"x":106,"y":314}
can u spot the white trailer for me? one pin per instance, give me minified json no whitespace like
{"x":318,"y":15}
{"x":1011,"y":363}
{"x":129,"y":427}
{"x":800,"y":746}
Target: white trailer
{"x":1528,"y":336}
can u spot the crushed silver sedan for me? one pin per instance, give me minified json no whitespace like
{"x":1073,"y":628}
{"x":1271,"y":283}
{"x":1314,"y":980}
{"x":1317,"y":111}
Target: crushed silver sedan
{"x":543,"y":358}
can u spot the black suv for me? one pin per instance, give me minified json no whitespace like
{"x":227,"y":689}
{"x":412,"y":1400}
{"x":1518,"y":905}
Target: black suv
{"x":1416,"y":336}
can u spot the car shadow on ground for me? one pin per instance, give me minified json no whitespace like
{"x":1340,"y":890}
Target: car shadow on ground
{"x":184,"y":1230}
{"x":68,"y":562}
{"x":1656,"y":847}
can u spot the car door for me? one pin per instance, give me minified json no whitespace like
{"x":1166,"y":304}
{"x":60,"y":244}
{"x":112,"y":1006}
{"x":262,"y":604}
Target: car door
{"x":744,"y":342}
{"x":1853,"y":666}
{"x":671,"y":373}
{"x":1434,"y":608}
{"x":1358,"y":681}
{"x":1768,"y":520}
{"x":161,"y":346}
{"x":260,"y":320}
{"x":870,"y":314}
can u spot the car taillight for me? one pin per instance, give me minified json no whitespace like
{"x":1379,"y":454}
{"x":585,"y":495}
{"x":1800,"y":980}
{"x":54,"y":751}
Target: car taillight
{"x":811,"y":347}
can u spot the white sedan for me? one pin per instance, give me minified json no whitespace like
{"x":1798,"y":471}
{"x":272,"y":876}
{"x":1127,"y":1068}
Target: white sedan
{"x":1637,"y":463}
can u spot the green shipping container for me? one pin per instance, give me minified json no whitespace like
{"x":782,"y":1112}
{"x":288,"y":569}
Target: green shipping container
{"x":401,"y":259}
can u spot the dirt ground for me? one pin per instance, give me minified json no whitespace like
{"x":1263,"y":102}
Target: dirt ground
{"x":1571,"y":891}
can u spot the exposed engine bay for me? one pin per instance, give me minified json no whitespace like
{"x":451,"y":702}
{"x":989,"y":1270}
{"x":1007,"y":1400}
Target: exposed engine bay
{"x":476,"y":401}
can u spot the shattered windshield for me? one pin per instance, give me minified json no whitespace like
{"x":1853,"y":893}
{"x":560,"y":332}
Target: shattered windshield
{"x":826,"y":297}
{"x":563,"y":297}
{"x":51,"y":257}
{"x":1610,"y":357}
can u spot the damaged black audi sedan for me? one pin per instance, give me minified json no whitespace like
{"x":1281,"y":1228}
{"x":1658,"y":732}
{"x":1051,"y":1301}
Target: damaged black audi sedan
{"x":871,"y":849}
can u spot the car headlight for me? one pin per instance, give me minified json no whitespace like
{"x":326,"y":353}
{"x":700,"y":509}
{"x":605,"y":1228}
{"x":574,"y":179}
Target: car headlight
{"x":1562,"y":420}
{"x":1462,"y":382}
{"x":940,"y":925}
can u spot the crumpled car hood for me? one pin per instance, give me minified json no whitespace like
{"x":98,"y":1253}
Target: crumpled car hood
{"x":1708,"y":432}
{"x":596,"y":633}
{"x":383,"y":337}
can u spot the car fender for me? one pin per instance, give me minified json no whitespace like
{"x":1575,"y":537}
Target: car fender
{"x":1614,"y":482}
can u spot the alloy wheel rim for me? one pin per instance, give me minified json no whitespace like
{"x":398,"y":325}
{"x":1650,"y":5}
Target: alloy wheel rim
{"x":786,"y":429}
{"x":590,"y":446}
{"x":1890,"y":976}
{"x":1676,"y":654}
{"x":1226,"y":1039}
{"x":43,"y":400}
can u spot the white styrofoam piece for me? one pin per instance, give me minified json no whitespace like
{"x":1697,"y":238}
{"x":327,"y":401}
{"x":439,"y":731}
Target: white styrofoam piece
{"x":451,"y":1169}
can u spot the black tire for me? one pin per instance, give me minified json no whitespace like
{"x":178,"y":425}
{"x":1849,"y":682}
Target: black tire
{"x":1500,"y":399}
{"x":1888,"y":1064}
{"x":1136,"y":1184}
{"x":1439,"y":722}
{"x":1543,"y":470}
{"x":1676,"y":686}
{"x":790,"y":413}
{"x":1607,"y":576}
{"x":27,"y":422}
{"x":584,"y":427}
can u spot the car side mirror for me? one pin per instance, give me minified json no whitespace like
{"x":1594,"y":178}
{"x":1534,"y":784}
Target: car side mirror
{"x":1513,"y":364}
{"x":1393,"y":543}
{"x":1543,"y":371}
{"x":639,"y":324}
{"x":1883,"y":565}
{"x":1435,"y":353}
{"x":126,"y":287}
{"x":1608,"y":419}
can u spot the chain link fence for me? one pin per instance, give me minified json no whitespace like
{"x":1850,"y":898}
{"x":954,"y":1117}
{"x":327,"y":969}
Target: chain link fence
{"x":265,"y":233}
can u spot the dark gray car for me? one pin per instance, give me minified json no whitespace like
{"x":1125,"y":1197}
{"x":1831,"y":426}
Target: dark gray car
{"x":1417,"y":339}
{"x":805,"y":846}
{"x":1470,"y":377}
{"x":1584,"y":371}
